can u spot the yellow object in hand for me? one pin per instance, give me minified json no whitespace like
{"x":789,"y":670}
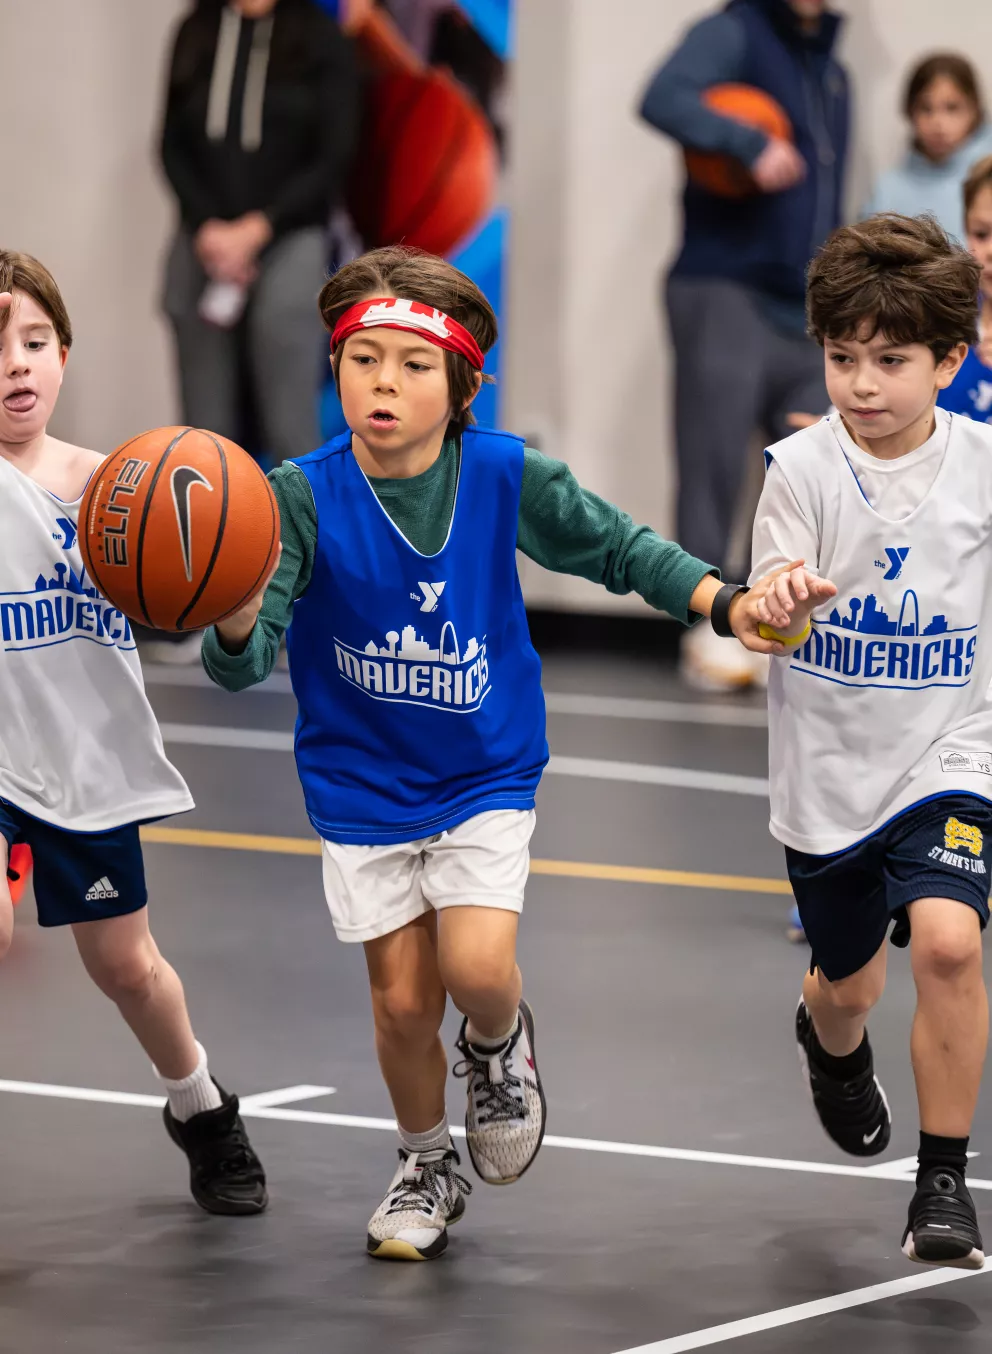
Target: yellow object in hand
{"x":790,"y":641}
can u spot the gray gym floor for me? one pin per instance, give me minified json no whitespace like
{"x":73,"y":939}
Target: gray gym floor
{"x":685,"y":1185}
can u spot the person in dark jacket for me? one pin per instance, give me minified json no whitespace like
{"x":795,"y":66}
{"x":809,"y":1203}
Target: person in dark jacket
{"x":735,"y":295}
{"x":261,"y":122}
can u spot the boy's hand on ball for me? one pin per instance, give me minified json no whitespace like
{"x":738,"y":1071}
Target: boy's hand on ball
{"x":235,"y":632}
{"x":785,"y":598}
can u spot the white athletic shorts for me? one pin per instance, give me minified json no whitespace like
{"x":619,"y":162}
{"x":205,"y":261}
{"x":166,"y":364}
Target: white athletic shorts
{"x":483,"y":862}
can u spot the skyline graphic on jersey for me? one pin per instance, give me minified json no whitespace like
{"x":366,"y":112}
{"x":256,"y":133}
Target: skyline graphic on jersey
{"x":74,"y":583}
{"x":413,"y":648}
{"x":875,"y":620}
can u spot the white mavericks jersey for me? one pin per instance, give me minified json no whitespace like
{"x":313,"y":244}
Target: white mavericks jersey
{"x":887,"y":703}
{"x":79,"y":745}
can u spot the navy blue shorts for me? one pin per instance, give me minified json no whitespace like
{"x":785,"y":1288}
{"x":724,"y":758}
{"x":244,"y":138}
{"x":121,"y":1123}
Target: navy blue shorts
{"x":938,"y":849}
{"x":79,"y":876}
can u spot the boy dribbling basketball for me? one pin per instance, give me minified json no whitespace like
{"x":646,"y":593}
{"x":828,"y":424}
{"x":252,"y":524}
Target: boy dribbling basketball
{"x":421,"y":732}
{"x":880,"y":719}
{"x":81,"y":756}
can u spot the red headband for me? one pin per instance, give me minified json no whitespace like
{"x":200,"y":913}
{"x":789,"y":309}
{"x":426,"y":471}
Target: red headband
{"x":390,"y":313}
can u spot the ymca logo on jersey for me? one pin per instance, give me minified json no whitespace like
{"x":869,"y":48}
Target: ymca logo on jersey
{"x":429,"y":596}
{"x":863,"y":642}
{"x":893,"y":562}
{"x":409,"y":669}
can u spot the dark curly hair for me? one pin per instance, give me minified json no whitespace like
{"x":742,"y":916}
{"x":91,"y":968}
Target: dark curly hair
{"x":902,"y":276}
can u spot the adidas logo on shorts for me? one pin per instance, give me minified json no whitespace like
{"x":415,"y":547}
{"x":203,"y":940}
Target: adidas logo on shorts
{"x":100,"y":890}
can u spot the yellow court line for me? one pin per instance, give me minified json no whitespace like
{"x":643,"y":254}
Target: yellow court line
{"x":562,"y":869}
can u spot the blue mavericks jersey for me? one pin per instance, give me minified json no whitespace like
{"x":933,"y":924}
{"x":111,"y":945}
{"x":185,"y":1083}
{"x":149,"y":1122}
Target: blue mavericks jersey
{"x":419,"y":690}
{"x":971,"y":391}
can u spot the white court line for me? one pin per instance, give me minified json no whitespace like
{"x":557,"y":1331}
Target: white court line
{"x":557,"y":702}
{"x":268,"y":1099}
{"x":805,"y":1311}
{"x":271,"y":1105}
{"x":588,"y":768}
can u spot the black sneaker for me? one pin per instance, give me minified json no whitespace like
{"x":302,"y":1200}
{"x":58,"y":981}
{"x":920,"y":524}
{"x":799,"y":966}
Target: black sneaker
{"x":225,"y":1175}
{"x":855,"y":1114}
{"x":943,"y":1225}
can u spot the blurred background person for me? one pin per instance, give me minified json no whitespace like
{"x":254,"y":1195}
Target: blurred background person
{"x":971,"y":391}
{"x":261,"y":122}
{"x":943,"y":103}
{"x":735,"y":295}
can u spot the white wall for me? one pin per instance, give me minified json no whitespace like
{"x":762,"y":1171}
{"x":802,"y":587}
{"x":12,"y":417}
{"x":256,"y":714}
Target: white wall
{"x":79,"y":108}
{"x":595,"y":196}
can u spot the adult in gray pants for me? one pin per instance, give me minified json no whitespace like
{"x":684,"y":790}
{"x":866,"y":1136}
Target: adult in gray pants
{"x":735,"y":295}
{"x":261,"y":122}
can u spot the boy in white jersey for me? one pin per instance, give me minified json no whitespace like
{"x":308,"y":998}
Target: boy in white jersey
{"x":879,"y":716}
{"x":81,"y":756}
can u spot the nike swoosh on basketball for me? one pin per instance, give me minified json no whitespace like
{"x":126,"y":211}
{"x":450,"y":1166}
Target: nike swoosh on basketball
{"x":869,"y":1138}
{"x":182,"y":481}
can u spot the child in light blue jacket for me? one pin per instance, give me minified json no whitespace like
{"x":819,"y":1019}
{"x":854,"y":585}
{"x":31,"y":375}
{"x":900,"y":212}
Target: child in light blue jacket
{"x":943,"y":103}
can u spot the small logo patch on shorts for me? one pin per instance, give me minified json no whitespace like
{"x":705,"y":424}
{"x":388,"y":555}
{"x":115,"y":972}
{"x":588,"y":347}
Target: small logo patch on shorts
{"x":959,"y":837}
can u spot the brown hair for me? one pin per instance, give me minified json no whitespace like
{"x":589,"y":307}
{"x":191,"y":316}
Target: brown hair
{"x":901,"y":275}
{"x":21,"y":272}
{"x":416,"y":276}
{"x":957,"y":69}
{"x":979,"y":177}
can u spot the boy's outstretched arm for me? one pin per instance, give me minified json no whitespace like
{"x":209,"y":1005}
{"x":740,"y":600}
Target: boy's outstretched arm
{"x":570,"y":530}
{"x":242,"y":651}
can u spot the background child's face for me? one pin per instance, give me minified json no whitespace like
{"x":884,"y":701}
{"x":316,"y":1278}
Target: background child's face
{"x":394,"y":388}
{"x":979,"y":229}
{"x":881,"y":388}
{"x":943,"y":118}
{"x":31,"y":363}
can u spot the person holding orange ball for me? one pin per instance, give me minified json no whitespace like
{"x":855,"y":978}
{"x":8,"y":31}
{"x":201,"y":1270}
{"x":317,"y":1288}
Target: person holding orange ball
{"x":735,"y":295}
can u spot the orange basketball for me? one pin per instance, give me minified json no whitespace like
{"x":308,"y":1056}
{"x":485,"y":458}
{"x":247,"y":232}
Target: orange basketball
{"x":178,"y":528}
{"x":722,"y":174}
{"x":427,"y":169}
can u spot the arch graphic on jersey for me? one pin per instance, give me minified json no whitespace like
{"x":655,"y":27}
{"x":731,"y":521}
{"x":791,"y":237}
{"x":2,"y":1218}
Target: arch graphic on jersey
{"x":183,"y":481}
{"x":911,"y":627}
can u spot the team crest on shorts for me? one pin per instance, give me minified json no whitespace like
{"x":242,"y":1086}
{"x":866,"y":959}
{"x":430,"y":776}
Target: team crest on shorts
{"x":960,"y":838}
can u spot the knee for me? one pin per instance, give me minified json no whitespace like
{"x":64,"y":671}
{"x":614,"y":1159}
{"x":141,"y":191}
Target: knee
{"x":479,"y":980}
{"x":852,"y":998}
{"x":949,"y":956}
{"x":128,"y":977}
{"x":403,"y":1014}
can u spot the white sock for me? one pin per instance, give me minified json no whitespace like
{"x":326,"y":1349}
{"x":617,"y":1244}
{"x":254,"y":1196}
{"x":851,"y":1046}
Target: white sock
{"x":434,"y":1140}
{"x":193,"y":1094}
{"x":485,"y":1041}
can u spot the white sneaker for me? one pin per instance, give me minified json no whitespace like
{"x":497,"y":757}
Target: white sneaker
{"x":505,"y":1118}
{"x":708,"y":662}
{"x":177,"y":652}
{"x":425,"y":1196}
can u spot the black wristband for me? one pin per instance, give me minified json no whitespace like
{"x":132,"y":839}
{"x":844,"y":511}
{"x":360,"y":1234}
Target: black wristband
{"x":720,"y":612}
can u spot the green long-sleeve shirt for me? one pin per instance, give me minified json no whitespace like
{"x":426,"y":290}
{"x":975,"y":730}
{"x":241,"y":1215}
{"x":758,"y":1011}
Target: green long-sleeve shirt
{"x":561,"y":526}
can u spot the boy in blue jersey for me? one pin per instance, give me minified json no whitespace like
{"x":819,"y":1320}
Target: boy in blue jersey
{"x":971,"y":392}
{"x":81,"y":756}
{"x":421,"y":732}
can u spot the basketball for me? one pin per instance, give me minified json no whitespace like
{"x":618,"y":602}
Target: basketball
{"x":178,"y":528}
{"x":428,"y":164}
{"x":722,"y":174}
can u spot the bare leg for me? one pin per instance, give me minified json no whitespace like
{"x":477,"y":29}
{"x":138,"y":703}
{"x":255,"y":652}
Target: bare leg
{"x":477,"y":957}
{"x":123,"y":960}
{"x":408,"y":1003}
{"x":839,"y":1010}
{"x":950,"y":1031}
